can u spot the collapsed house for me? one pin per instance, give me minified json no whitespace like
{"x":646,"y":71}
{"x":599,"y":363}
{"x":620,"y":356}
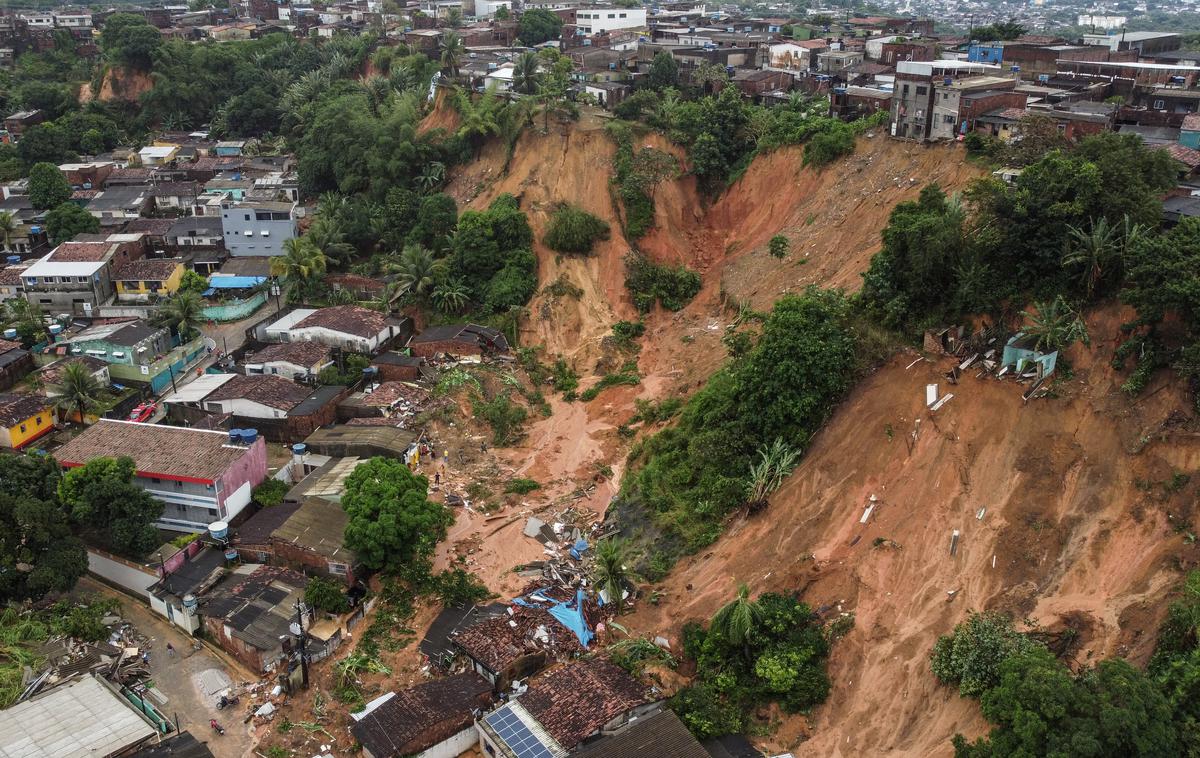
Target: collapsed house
{"x":433,"y":718}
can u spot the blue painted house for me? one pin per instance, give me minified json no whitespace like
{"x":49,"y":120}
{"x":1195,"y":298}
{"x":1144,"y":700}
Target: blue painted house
{"x":985,"y":52}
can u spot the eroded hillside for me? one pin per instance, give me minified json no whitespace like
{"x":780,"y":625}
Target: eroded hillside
{"x":1080,"y":527}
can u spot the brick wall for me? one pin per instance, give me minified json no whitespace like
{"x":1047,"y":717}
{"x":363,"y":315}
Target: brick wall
{"x":973,"y":108}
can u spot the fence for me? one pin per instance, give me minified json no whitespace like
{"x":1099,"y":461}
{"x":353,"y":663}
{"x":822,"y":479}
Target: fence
{"x":236,"y":311}
{"x":122,"y":573}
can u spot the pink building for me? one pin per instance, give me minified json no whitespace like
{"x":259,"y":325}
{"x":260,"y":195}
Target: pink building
{"x":200,"y":476}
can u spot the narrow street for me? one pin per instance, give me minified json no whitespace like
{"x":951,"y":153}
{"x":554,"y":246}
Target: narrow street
{"x":179,"y":677}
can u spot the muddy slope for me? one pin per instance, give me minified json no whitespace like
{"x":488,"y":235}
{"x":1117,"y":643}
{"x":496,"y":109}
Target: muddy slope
{"x":1079,"y":524}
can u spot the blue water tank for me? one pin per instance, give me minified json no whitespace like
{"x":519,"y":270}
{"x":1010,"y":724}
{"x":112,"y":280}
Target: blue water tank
{"x":219,"y":530}
{"x":299,"y":448}
{"x":249,"y":436}
{"x":10,"y":334}
{"x":55,"y":330}
{"x":13,"y":259}
{"x":235,"y":436}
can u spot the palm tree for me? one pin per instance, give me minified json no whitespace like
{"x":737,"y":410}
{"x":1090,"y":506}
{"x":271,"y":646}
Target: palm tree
{"x":775,"y":462}
{"x":377,"y":90}
{"x":78,"y":389}
{"x":301,"y":265}
{"x":326,"y":235}
{"x":183,"y":313}
{"x":417,"y":272}
{"x":1093,"y":252}
{"x":452,"y":52}
{"x":454,"y":18}
{"x":480,"y":118}
{"x":8,"y":227}
{"x":525,"y":73}
{"x":450,"y":297}
{"x":432,"y":176}
{"x":1055,"y":325}
{"x":737,"y":618}
{"x":609,"y":572}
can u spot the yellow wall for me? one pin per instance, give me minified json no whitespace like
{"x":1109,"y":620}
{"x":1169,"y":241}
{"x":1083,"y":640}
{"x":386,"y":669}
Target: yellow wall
{"x":35,"y":426}
{"x":139,"y":288}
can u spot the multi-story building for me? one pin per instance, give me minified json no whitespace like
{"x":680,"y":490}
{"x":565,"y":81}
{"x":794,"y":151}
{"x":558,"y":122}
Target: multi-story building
{"x":199,"y":475}
{"x":958,"y":103}
{"x":76,"y":277}
{"x":913,"y":96}
{"x":595,"y":19}
{"x":257,"y":228}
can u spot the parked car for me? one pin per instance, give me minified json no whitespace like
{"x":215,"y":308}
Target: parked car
{"x":143,"y":412}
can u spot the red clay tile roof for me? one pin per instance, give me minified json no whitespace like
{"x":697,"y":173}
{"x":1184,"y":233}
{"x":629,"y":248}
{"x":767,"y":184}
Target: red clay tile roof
{"x":298,"y":353}
{"x":271,"y":391}
{"x":147,"y":269}
{"x":578,"y":699}
{"x":152,"y":226}
{"x":75,"y":252}
{"x":52,"y":373}
{"x":350,"y":319}
{"x":6,"y":345}
{"x":387,"y":393}
{"x":497,"y":644}
{"x":16,"y":408}
{"x":154,"y":448}
{"x":400,"y":726}
{"x":11,"y":274}
{"x":1185,"y":155}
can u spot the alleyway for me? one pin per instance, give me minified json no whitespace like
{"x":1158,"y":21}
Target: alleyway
{"x":179,"y":677}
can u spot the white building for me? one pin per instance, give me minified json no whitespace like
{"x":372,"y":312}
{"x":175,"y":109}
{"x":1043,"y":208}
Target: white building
{"x":500,"y":79}
{"x":601,"y":19}
{"x":73,"y":20}
{"x":257,"y":228}
{"x":38,"y":20}
{"x":1102,"y":22}
{"x":350,"y":327}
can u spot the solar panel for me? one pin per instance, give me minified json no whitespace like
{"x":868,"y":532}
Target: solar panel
{"x":509,"y":727}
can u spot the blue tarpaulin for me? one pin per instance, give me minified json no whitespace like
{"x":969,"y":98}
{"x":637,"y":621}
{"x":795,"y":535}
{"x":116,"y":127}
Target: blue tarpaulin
{"x":232,"y":283}
{"x":569,"y":613}
{"x":579,"y":548}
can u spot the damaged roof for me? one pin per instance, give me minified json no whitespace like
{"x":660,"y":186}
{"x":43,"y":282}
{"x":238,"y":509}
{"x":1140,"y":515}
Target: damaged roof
{"x":578,"y":699}
{"x":398,"y":726}
{"x":499,"y":642}
{"x":258,"y":608}
{"x":305,"y":354}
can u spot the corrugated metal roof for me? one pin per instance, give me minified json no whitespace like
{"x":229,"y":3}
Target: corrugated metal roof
{"x":76,"y":720}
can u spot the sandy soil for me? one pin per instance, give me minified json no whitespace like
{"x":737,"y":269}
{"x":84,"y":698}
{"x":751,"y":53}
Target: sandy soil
{"x":1069,"y":530}
{"x":118,"y":84}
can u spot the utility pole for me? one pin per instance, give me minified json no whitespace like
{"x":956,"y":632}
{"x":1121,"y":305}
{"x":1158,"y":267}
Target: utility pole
{"x":303,"y":649}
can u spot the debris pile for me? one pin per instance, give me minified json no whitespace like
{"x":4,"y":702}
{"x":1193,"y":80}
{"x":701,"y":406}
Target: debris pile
{"x":123,"y":659}
{"x":567,"y":539}
{"x":997,"y":353}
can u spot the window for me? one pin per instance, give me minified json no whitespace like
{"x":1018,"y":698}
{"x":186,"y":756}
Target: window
{"x":247,"y":216}
{"x":612,"y":15}
{"x":178,"y":485}
{"x":38,"y":420}
{"x":265,"y":233}
{"x":22,"y":427}
{"x":156,"y":480}
{"x":904,"y":90}
{"x":1159,"y":105}
{"x":622,"y":15}
{"x":948,"y":119}
{"x":922,"y":90}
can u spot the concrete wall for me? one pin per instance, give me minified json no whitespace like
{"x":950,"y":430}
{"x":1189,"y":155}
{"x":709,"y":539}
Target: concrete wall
{"x":121,"y":573}
{"x":247,"y":472}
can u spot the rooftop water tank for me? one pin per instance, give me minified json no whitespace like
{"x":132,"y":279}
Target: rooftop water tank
{"x":299,"y":448}
{"x":10,"y":334}
{"x":235,"y":436}
{"x":13,"y":259}
{"x":219,"y":530}
{"x":55,"y":330}
{"x":190,"y":602}
{"x":249,"y":436}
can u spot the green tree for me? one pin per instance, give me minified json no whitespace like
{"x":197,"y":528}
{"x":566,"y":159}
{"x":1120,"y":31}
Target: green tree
{"x":502,"y":13}
{"x":538,"y":25}
{"x":450,"y":297}
{"x":998,"y":32}
{"x":301,"y":266}
{"x":436,"y":220}
{"x":78,"y":389}
{"x":480,"y":118}
{"x":184,"y":312}
{"x":48,"y":188}
{"x":418,"y":272}
{"x":972,"y":655}
{"x":454,"y":17}
{"x":127,"y":38}
{"x":609,"y":572}
{"x":392,"y":524}
{"x":738,"y":618}
{"x":103,"y":498}
{"x":452,"y":53}
{"x":44,"y":143}
{"x":191,"y":281}
{"x":68,"y":220}
{"x":778,"y":246}
{"x":526,"y":73}
{"x":1055,"y":325}
{"x":8,"y":227}
{"x":664,"y":71}
{"x":326,"y":595}
{"x":505,"y":417}
{"x":38,"y":553}
{"x":326,"y":235}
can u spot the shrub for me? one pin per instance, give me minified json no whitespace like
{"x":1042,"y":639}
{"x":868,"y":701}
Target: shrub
{"x":521,"y":487}
{"x":574,"y":230}
{"x":504,"y":416}
{"x":971,"y":656}
{"x":610,"y":380}
{"x":270,"y":493}
{"x":457,"y":588}
{"x":564,"y":379}
{"x":649,"y":283}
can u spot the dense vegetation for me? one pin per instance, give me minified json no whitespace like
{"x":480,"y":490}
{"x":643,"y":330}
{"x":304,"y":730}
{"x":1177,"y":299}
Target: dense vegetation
{"x":649,"y":283}
{"x":573,"y":230}
{"x":1080,"y":223}
{"x":699,"y":470}
{"x":1041,"y":707}
{"x":770,"y":649}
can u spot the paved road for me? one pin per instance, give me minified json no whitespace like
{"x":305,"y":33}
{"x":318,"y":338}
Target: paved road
{"x":178,"y":677}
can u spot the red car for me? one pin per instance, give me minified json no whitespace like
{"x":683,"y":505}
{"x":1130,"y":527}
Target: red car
{"x":143,"y":412}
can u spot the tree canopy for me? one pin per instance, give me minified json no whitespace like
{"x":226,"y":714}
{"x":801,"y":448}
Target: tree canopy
{"x":393,"y":525}
{"x":538,"y":25}
{"x":103,"y":499}
{"x":48,"y":188}
{"x":67,"y":220}
{"x":129,"y":39}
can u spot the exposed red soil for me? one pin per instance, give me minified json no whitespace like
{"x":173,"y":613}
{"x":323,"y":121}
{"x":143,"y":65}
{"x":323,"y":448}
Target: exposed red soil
{"x":1069,"y":522}
{"x":119,"y":84}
